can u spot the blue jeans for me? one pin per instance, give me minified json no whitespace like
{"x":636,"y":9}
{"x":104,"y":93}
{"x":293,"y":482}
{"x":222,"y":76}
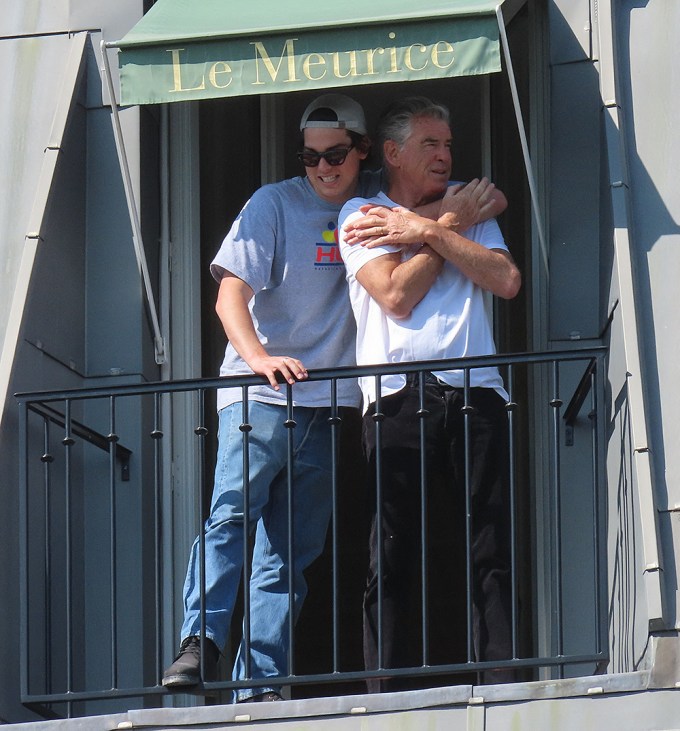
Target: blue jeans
{"x":268,"y":516}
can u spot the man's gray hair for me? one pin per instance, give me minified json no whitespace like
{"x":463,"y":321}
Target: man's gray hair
{"x":396,"y":121}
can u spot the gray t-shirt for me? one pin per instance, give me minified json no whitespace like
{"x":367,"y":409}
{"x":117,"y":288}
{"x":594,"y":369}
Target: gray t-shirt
{"x":284,"y":245}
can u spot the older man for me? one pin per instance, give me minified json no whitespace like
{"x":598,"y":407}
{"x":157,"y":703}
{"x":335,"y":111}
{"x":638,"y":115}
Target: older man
{"x":416,"y":288}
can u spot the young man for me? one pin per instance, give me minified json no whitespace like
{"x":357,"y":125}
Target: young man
{"x":416,"y":288}
{"x":280,"y":277}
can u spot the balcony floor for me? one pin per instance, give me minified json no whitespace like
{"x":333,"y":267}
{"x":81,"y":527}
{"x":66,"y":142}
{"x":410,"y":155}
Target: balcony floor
{"x":623,"y":702}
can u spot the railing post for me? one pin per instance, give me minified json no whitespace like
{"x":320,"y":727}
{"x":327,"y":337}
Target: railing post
{"x":335,"y":423}
{"x":157,"y":436}
{"x":599,"y":459}
{"x":112,"y":438}
{"x":556,"y":404}
{"x":68,"y":441}
{"x":422,"y":414}
{"x":24,"y":534}
{"x":467,"y":410}
{"x":290,"y":424}
{"x":201,"y":433}
{"x":245,"y":429}
{"x":510,"y":407}
{"x":378,"y":417}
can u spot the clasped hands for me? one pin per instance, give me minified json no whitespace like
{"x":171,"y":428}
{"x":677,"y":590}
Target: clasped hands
{"x":461,"y":207}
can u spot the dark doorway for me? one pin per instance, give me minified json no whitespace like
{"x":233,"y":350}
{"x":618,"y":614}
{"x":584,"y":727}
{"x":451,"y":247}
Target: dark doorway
{"x":231,"y":150}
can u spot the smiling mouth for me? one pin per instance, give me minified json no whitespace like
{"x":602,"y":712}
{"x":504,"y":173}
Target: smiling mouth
{"x":328,"y":178}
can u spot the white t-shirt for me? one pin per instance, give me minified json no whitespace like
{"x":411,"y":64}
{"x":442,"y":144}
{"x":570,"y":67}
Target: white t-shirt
{"x":449,"y":322}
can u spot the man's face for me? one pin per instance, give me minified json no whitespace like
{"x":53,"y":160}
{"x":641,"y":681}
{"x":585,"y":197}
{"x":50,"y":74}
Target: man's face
{"x":424,"y":162}
{"x":334,"y":183}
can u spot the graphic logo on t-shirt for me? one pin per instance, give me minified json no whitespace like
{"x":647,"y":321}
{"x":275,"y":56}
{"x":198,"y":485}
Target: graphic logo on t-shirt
{"x":327,"y":250}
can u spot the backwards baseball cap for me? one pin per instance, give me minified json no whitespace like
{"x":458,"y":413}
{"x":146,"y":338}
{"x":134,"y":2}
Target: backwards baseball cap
{"x":336,"y":111}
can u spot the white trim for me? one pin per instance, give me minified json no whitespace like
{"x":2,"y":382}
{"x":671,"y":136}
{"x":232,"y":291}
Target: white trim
{"x":182,"y":306}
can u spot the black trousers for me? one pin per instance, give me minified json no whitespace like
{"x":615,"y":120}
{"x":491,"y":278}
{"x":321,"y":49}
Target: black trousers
{"x":400,"y":515}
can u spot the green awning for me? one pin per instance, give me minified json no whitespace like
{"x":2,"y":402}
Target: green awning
{"x":202,"y":49}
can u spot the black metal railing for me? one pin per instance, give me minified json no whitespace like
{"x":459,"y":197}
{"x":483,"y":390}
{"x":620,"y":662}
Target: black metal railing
{"x":95,"y":521}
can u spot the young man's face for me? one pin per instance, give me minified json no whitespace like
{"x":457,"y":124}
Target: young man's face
{"x":425,"y":159}
{"x":334,"y":183}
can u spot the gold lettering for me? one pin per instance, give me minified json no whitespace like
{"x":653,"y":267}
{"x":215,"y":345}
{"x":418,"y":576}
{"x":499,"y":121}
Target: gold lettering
{"x":352,"y":65}
{"x":407,"y":59}
{"x":370,"y":53}
{"x":436,"y":51}
{"x":394,"y":67}
{"x":289,"y":68}
{"x":261,"y":52}
{"x":307,"y":64}
{"x":177,"y":73}
{"x":219,"y":67}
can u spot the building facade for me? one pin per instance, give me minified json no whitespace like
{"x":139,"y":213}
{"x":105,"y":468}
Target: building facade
{"x":106,"y":236}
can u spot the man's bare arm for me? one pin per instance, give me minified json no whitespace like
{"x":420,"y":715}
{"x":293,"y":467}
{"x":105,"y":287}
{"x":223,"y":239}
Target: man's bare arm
{"x":232,"y":309}
{"x":396,"y":285}
{"x":491,"y":269}
{"x":462,"y":207}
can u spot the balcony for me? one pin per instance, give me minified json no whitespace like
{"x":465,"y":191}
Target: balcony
{"x":99,"y":526}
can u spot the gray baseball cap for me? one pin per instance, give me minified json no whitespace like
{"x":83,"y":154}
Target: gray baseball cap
{"x":348,"y":114}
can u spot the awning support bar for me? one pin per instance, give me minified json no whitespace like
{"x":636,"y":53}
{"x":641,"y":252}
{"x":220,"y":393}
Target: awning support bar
{"x":523,"y":140}
{"x":159,"y":343}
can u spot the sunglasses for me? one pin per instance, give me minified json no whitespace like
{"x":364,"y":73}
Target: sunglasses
{"x":333,"y":157}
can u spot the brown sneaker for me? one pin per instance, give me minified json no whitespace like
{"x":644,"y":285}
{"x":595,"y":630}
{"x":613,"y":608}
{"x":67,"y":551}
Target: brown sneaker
{"x":270,"y":695}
